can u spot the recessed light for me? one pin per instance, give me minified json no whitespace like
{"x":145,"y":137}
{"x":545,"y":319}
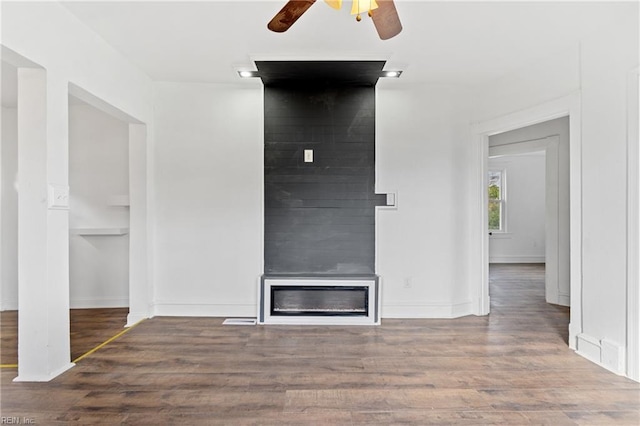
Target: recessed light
{"x":248,"y":74}
{"x":392,"y":74}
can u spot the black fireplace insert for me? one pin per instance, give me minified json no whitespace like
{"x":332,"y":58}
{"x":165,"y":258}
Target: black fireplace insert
{"x":309,"y":300}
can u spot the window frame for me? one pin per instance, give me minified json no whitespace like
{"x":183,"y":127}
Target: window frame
{"x":502,"y":201}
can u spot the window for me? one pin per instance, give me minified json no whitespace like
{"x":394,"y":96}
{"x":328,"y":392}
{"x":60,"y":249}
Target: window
{"x":497,"y":200}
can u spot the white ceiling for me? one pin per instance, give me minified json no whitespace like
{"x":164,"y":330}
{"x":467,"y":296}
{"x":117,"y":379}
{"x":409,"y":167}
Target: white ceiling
{"x":462,"y":43}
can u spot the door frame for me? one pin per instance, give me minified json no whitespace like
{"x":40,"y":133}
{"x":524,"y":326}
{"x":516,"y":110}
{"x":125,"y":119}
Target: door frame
{"x":566,"y":106}
{"x":633,"y":228}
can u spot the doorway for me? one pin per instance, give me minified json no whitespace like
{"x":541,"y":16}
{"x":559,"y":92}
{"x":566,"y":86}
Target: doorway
{"x":568,"y":106}
{"x":536,"y":202}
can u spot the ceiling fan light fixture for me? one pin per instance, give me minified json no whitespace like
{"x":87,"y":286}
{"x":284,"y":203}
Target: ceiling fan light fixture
{"x":336,"y":4}
{"x":383,"y":13}
{"x":360,"y":6}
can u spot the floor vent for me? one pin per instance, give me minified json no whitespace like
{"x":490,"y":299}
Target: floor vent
{"x":239,"y":321}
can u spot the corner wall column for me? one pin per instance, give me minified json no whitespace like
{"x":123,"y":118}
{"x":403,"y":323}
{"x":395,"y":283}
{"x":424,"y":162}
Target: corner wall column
{"x":139,"y":291}
{"x":43,"y":295}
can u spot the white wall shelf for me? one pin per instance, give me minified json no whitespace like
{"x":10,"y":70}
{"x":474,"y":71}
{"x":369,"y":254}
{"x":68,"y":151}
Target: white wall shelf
{"x":99,"y":231}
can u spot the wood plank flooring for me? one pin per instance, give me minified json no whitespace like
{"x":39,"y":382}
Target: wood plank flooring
{"x":89,"y":328}
{"x":512,"y":367}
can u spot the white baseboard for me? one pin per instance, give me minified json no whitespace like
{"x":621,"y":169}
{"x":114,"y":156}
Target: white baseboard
{"x":77,"y":304}
{"x":564,"y":299}
{"x":605,"y":353}
{"x":434,"y":310}
{"x":461,"y":309}
{"x":9,"y":305}
{"x":204,"y":310}
{"x":25,"y":377}
{"x":574,"y":332}
{"x":98,"y":303}
{"x":613,"y":356}
{"x":588,"y":347}
{"x":516,"y":259}
{"x":134,"y":318}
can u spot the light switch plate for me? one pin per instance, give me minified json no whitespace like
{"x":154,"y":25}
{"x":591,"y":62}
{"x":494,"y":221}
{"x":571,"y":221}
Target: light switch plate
{"x":308,"y":156}
{"x":58,"y":197}
{"x":391,"y":199}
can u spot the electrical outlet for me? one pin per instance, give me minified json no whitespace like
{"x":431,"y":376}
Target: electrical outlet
{"x":407,"y":282}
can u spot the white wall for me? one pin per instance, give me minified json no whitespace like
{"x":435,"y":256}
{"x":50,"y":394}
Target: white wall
{"x":209,"y":191}
{"x":46,"y":35}
{"x":524,"y":239}
{"x":9,"y":205}
{"x":421,"y":137}
{"x":598,"y":67}
{"x":98,"y":181}
{"x":606,"y":62}
{"x":209,"y":173}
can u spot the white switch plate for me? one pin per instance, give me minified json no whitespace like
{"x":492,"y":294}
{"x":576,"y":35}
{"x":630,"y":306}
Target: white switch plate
{"x":391,"y":199}
{"x":308,"y":156}
{"x":58,"y":197}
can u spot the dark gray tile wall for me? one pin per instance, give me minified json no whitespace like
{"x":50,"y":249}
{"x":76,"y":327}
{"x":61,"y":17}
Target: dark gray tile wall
{"x":320,"y":216}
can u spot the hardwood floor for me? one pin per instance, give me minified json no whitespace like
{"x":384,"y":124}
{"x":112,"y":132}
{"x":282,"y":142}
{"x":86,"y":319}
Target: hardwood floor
{"x":89,"y":328}
{"x":9,"y":338}
{"x":512,"y":367}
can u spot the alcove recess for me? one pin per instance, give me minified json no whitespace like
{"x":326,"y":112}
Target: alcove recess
{"x":98,"y":208}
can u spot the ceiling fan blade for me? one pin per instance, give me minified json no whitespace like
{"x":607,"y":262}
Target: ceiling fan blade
{"x":386,"y":19}
{"x":289,"y":14}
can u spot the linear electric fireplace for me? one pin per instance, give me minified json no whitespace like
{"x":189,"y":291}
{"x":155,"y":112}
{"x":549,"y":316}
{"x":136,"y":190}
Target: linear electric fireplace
{"x":319,"y":300}
{"x":289,"y":300}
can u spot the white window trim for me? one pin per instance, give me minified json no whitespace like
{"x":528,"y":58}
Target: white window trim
{"x":503,"y":201}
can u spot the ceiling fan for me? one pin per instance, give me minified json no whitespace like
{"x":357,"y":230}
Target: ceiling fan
{"x":382,"y":12}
